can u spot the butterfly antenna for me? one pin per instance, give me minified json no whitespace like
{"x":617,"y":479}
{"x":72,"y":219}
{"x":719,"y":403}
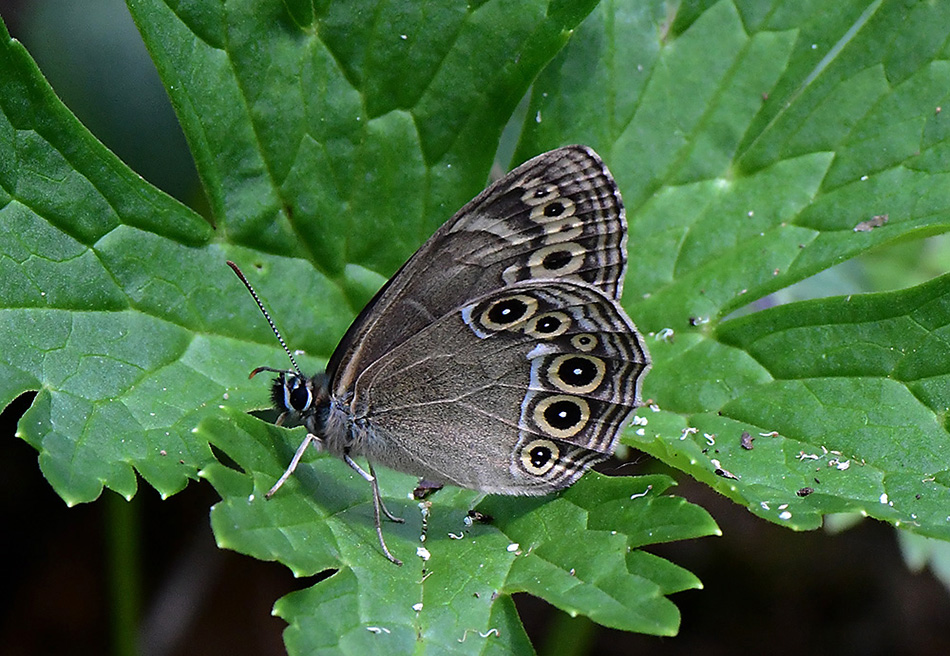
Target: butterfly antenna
{"x":270,"y":321}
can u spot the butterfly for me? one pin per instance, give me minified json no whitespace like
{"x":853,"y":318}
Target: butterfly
{"x":498,"y":358}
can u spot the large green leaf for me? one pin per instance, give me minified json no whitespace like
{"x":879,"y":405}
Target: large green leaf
{"x":330,"y":146}
{"x":749,"y":170}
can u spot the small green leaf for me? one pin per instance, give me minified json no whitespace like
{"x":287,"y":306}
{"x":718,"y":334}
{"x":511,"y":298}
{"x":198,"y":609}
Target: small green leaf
{"x":456,"y":583}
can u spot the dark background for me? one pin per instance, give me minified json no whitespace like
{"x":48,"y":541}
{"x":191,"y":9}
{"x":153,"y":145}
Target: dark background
{"x":767,"y":589}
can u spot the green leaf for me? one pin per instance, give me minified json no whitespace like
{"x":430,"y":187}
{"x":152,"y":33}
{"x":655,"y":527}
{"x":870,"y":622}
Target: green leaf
{"x":747,"y":171}
{"x":463,"y":579}
{"x":856,"y":388}
{"x":326,"y":161}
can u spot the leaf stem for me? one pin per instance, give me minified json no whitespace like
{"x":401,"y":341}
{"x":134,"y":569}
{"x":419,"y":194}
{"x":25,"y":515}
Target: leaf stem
{"x":123,"y":565}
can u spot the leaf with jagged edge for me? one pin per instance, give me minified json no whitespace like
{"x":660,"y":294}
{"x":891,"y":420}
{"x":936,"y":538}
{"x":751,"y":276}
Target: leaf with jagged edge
{"x":118,"y":308}
{"x":748,"y":171}
{"x":581,"y":549}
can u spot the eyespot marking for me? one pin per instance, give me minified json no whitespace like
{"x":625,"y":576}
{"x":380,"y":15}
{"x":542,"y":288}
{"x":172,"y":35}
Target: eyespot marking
{"x":538,"y":192}
{"x":507,"y":312}
{"x":584,"y":342}
{"x":548,"y":325}
{"x":539,"y":456}
{"x":559,"y":259}
{"x":578,"y":374}
{"x":554,"y":209}
{"x":561,"y":416}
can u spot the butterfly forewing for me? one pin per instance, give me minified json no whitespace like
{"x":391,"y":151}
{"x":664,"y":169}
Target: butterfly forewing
{"x":559,"y":216}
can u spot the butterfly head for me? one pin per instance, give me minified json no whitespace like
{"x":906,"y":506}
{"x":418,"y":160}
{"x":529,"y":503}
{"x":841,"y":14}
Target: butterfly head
{"x":299,"y":395}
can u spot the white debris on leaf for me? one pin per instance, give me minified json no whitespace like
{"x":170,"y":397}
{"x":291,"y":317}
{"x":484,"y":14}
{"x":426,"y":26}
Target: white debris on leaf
{"x":689,"y":430}
{"x":483,"y":635}
{"x":642,"y":494}
{"x":377,"y":629}
{"x":513,"y":547}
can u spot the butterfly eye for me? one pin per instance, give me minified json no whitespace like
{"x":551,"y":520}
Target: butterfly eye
{"x":297,"y":395}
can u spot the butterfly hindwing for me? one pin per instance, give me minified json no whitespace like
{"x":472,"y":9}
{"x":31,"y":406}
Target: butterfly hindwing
{"x":516,"y":392}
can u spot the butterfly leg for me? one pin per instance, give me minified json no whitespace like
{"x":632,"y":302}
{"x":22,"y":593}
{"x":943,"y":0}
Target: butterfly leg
{"x":391,"y":517}
{"x":377,"y":505}
{"x":310,"y":439}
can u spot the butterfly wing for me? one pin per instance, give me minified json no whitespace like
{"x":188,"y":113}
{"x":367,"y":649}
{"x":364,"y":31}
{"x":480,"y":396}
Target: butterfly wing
{"x":516,"y":392}
{"x":558,"y":216}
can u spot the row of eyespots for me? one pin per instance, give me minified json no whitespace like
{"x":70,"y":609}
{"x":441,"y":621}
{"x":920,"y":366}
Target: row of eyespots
{"x":558,"y":415}
{"x":520,"y":312}
{"x":565,"y":415}
{"x":556,"y":214}
{"x":546,"y":202}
